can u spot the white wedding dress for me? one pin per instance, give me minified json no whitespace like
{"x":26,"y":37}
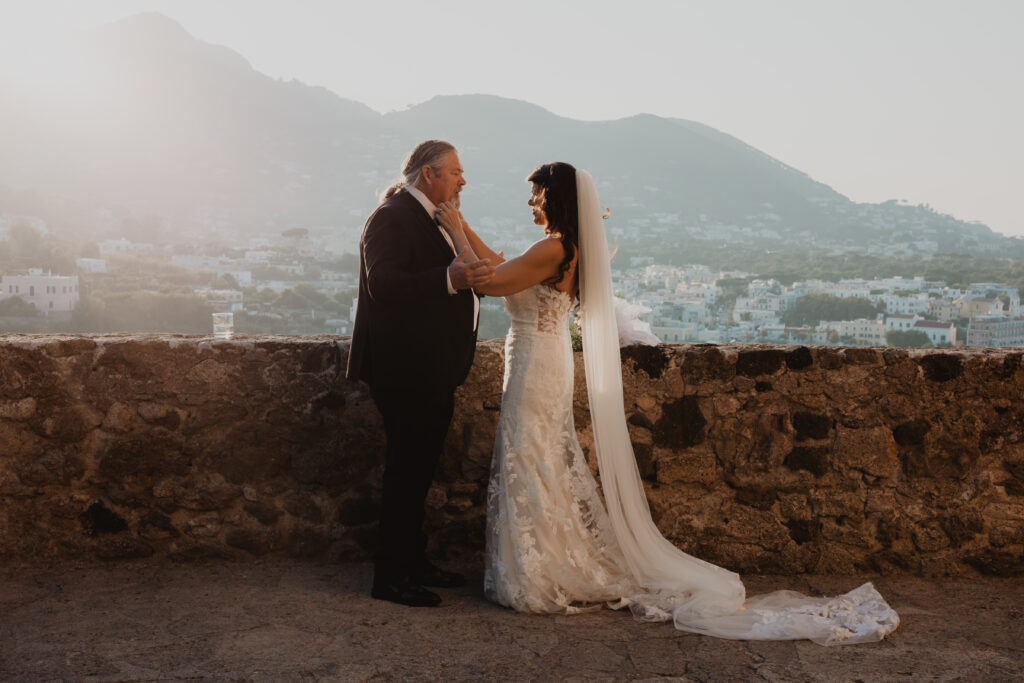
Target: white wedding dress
{"x":554,"y":545}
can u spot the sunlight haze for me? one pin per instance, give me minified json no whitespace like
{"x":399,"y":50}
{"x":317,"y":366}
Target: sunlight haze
{"x":914,"y":100}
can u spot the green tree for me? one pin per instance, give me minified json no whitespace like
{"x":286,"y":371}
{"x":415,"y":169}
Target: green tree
{"x":908,"y":339}
{"x":226,"y":281}
{"x":289,"y":298}
{"x":143,"y":311}
{"x":16,"y":307}
{"x":346,"y":297}
{"x":813,"y":308}
{"x":317,"y":298}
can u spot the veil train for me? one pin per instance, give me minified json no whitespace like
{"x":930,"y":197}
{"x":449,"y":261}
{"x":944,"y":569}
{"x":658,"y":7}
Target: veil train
{"x":698,"y":596}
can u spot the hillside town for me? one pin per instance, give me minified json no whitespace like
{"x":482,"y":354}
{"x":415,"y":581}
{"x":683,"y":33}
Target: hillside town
{"x":690,"y":304}
{"x":304,"y":282}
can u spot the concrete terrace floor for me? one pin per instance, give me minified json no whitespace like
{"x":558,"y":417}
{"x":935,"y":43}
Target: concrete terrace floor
{"x":284,"y":620}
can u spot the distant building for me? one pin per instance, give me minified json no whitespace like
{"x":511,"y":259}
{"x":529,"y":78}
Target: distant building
{"x":338,"y":326}
{"x":989,"y":288}
{"x":938,"y":332}
{"x":222,"y":299}
{"x":260,"y":256}
{"x":900,"y":322}
{"x":674,"y":332}
{"x":995,"y":332}
{"x":972,"y":308}
{"x":50,"y":294}
{"x":907,"y":304}
{"x":862,"y":330}
{"x":945,"y":310}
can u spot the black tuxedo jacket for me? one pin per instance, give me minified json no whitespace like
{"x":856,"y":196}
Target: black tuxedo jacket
{"x":410,"y":334}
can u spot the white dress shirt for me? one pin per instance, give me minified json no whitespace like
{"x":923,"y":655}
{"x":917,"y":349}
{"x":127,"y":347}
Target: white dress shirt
{"x":431,"y":209}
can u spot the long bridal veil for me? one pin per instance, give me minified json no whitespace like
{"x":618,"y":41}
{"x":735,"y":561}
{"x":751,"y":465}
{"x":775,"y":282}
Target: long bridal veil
{"x":697,"y":595}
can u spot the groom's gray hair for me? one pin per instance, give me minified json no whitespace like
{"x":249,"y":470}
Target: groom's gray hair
{"x":427,"y":153}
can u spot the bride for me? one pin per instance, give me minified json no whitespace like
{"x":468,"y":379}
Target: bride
{"x":553,"y":544}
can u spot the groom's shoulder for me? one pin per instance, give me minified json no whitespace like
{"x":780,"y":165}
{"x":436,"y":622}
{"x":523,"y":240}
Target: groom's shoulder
{"x":394,"y":208}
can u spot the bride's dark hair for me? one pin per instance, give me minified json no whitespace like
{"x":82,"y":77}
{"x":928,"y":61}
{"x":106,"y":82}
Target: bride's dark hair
{"x":557,"y":181}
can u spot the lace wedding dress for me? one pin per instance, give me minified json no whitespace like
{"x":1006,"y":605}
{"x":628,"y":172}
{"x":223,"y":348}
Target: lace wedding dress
{"x":555,"y":545}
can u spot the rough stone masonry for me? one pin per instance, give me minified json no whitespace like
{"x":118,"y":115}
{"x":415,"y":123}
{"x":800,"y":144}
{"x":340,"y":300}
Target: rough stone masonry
{"x":760,"y":459}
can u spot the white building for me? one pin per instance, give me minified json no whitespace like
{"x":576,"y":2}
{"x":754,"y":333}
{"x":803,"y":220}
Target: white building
{"x":673,"y":332}
{"x":50,"y":294}
{"x":861,"y":330}
{"x":907,"y":304}
{"x":1014,"y":309}
{"x":259,"y":256}
{"x":223,"y":299}
{"x":900,"y":322}
{"x":938,"y":333}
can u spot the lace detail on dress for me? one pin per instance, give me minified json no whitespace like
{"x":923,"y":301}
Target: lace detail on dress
{"x":550,"y":544}
{"x":539,"y":309}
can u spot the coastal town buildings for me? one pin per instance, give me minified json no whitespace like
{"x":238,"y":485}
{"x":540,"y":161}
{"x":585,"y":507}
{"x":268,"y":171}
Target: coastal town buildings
{"x":994,"y":331}
{"x":52,"y":295}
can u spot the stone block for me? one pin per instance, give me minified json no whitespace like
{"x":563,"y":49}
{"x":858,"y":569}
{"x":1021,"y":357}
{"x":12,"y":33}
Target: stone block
{"x":264,"y":513}
{"x":760,"y":362}
{"x":651,"y":360}
{"x":303,"y":506}
{"x":681,"y":425}
{"x":811,"y":426}
{"x":941,"y":367}
{"x":687,"y":467}
{"x":21,"y":409}
{"x":813,"y":459}
{"x":799,"y":359}
{"x":871,"y":450}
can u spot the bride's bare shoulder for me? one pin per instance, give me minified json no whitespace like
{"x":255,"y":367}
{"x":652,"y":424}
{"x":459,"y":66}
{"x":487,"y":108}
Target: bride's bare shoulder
{"x":547,"y":249}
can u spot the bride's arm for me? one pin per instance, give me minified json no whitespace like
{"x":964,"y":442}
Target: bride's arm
{"x":463,"y":236}
{"x":538,"y":263}
{"x":480,"y":248}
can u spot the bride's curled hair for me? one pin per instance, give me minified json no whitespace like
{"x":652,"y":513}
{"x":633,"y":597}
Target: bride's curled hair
{"x":557,"y":181}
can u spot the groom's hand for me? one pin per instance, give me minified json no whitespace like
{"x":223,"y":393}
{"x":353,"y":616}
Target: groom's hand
{"x":468,"y":274}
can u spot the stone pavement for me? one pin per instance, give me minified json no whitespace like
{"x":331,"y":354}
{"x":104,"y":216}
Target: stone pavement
{"x":285,"y":620}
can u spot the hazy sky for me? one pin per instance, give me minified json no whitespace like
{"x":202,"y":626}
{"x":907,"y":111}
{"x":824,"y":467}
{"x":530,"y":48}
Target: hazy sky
{"x":881,"y":99}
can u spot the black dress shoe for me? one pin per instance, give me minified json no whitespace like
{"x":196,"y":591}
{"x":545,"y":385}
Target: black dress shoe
{"x":405,"y":593}
{"x":435,"y":577}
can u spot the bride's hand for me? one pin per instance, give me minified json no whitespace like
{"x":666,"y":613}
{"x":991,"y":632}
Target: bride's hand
{"x":449,"y":217}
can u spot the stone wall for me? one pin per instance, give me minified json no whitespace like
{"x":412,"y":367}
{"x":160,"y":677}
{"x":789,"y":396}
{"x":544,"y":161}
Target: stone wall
{"x":761,"y":459}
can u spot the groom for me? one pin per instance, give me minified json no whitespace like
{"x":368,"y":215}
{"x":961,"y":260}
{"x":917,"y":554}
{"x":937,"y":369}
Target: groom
{"x":413,"y":343}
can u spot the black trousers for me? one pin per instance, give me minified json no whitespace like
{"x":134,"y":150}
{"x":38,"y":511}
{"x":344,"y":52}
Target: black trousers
{"x":415,"y":426}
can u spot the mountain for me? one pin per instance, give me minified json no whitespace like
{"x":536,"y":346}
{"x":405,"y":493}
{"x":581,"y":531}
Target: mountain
{"x":150,"y":120}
